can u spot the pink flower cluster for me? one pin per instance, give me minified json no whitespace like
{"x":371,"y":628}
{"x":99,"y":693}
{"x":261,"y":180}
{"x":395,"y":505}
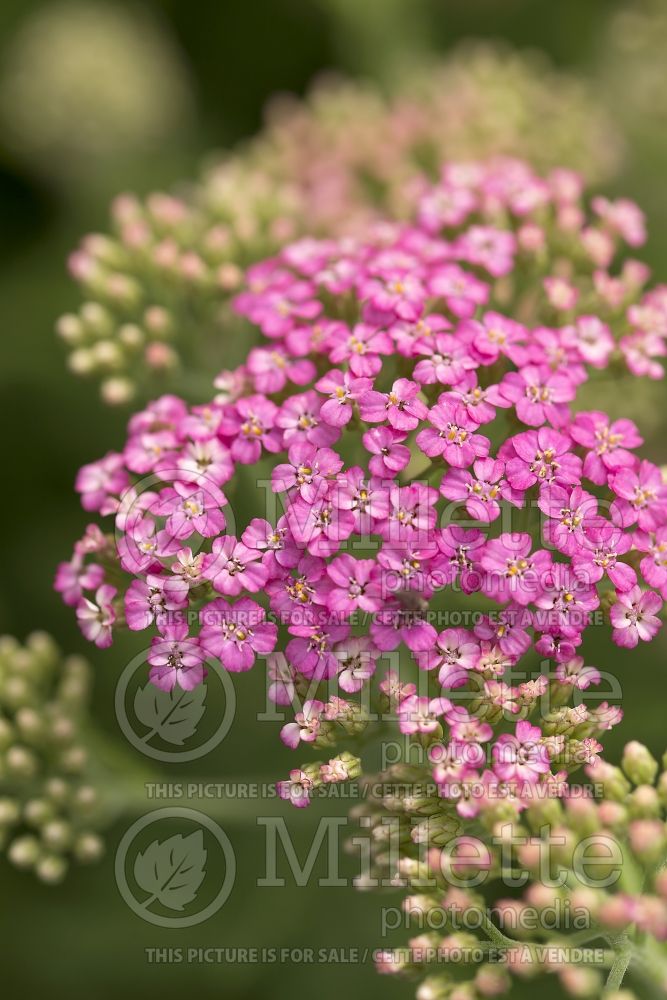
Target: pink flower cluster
{"x":418,"y":434}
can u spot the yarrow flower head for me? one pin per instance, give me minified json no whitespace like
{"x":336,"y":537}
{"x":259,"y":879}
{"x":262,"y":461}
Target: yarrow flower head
{"x":426,"y":497}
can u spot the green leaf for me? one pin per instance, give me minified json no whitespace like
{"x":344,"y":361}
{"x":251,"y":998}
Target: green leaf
{"x":173,"y":870}
{"x":172,"y":715}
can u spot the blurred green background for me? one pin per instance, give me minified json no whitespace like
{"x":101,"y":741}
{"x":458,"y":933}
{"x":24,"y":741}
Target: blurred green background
{"x":202,"y":81}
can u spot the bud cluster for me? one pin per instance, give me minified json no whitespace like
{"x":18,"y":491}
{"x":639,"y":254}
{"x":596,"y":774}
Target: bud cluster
{"x":48,"y":802}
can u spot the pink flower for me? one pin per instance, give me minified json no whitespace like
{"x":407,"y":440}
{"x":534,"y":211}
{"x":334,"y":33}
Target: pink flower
{"x":362,"y":348}
{"x":271,"y":369}
{"x":420,"y":715}
{"x":176,"y":659}
{"x":481,"y":491}
{"x":73,"y":577}
{"x":249,"y":426}
{"x":567,"y":600}
{"x":357,"y":657}
{"x":454,"y":652}
{"x":538,"y":395}
{"x":608,"y":444}
{"x":497,"y":335}
{"x":233,"y":567}
{"x":543,"y":457}
{"x":389,"y":455}
{"x":571,"y":513}
{"x":343,"y":390}
{"x":593,"y":340}
{"x":314,"y":648}
{"x":297,"y":790}
{"x":356,"y":585}
{"x":152,"y":600}
{"x":96,"y":619}
{"x":599,"y":555}
{"x":521,"y":757}
{"x":512,"y":572}
{"x":574,"y":673}
{"x":654,"y":564}
{"x":308,"y":469}
{"x":190,"y":507}
{"x":282,"y":676}
{"x":400,"y":406}
{"x":642,"y":497}
{"x":634,"y":616}
{"x":235,"y":633}
{"x":306,"y":725}
{"x":452,"y":435}
{"x":447,"y":360}
{"x":100,"y":480}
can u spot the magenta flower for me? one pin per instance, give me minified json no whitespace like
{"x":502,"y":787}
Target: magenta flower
{"x":454,"y":652}
{"x":96,"y":618}
{"x":389,"y":455}
{"x":521,"y":757}
{"x":235,"y":633}
{"x":481,"y":490}
{"x":320,"y":526}
{"x":249,"y":425}
{"x":306,"y":725}
{"x":394,"y":624}
{"x":272,"y":368}
{"x":571,"y":513}
{"x":313,"y":649}
{"x":538,"y":395}
{"x":420,"y":715}
{"x":507,"y":630}
{"x":73,"y":577}
{"x":300,"y":420}
{"x":642,"y":497}
{"x":599,"y":555}
{"x":400,"y":406}
{"x":447,"y":359}
{"x":512,"y":571}
{"x":362,"y":349}
{"x":233,"y":567}
{"x":654,"y":564}
{"x":566,"y":600}
{"x":297,"y":790}
{"x":154,"y":599}
{"x":543,"y":457}
{"x":497,"y":335}
{"x":101,"y":480}
{"x":357,"y":585}
{"x":188,"y":508}
{"x":308,"y":469}
{"x":343,"y":390}
{"x":358,"y":659}
{"x":634,"y":616}
{"x":608,"y":444}
{"x":452,"y":435}
{"x":176,"y":659}
{"x":411,"y":516}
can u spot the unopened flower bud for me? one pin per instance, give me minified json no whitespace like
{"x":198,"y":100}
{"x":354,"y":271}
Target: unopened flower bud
{"x":639,"y":764}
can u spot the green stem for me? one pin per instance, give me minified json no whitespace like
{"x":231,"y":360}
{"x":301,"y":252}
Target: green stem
{"x":624,"y":953}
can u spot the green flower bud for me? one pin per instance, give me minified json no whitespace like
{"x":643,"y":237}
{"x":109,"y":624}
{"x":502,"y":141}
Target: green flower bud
{"x":639,"y":764}
{"x":24,"y":851}
{"x":51,"y":868}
